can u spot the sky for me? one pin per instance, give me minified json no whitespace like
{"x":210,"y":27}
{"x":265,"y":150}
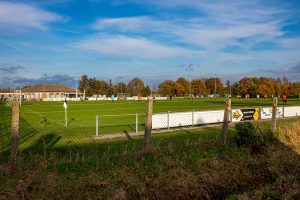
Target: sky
{"x":57,"y":41}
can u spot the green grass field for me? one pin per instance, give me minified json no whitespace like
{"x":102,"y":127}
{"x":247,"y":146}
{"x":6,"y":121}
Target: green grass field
{"x":183,"y":164}
{"x":114,"y":117}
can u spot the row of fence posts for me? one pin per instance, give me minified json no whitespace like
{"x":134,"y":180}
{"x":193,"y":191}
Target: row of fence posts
{"x":224,"y":131}
{"x":148,"y":126}
{"x":227,"y":116}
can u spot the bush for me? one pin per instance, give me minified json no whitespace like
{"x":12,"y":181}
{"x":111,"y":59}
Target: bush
{"x":249,"y":136}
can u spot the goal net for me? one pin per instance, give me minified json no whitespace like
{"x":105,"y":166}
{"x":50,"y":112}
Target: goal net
{"x":16,"y":96}
{"x":123,"y":96}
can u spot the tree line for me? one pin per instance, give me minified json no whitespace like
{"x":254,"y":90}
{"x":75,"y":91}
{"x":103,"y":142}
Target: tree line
{"x":253,"y":86}
{"x":92,"y":86}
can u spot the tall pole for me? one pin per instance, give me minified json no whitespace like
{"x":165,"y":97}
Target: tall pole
{"x":230,"y":86}
{"x":121,"y":89}
{"x":190,"y":87}
{"x":76,"y":85}
{"x":151,"y":88}
{"x":215,"y":85}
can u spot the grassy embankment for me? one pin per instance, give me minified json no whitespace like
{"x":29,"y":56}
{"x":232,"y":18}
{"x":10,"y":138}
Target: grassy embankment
{"x":182,"y":165}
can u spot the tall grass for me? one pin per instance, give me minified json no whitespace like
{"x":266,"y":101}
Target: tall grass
{"x":290,"y":132}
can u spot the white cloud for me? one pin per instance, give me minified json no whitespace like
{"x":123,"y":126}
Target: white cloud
{"x":124,"y":23}
{"x":125,"y":46}
{"x":289,"y":43}
{"x":218,"y":24}
{"x":20,"y":15}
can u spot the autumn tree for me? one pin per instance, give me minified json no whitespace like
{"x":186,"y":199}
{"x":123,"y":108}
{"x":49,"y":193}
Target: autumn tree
{"x":266,"y":86}
{"x":295,"y":88}
{"x":167,"y":88}
{"x":211,"y":83}
{"x":135,"y":86}
{"x":198,"y":87}
{"x":182,"y":86}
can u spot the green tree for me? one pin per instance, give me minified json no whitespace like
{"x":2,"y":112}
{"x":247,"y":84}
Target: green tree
{"x":135,"y":86}
{"x":146,"y":91}
{"x":211,"y":83}
{"x":167,"y":88}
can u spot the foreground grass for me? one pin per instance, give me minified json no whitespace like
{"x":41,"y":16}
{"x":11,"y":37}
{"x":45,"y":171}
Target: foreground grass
{"x":182,"y":165}
{"x":82,"y":118}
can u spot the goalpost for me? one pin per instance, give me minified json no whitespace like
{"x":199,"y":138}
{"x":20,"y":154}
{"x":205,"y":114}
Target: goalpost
{"x":123,"y":96}
{"x":17,"y":95}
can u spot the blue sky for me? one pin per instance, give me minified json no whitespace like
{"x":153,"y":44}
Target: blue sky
{"x":55,"y":41}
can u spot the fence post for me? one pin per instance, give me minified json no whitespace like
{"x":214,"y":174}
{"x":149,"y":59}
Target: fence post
{"x":148,"y":126}
{"x":274,"y":114}
{"x":193,"y":117}
{"x":137,"y":123}
{"x":15,"y":134}
{"x":97,"y":125}
{"x":168,"y":120}
{"x":225,"y":121}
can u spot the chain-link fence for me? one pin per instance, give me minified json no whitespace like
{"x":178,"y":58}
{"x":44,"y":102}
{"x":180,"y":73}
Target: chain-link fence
{"x":5,"y":129}
{"x":46,"y":131}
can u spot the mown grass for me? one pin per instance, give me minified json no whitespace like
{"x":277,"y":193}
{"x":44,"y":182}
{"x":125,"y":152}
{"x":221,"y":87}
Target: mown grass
{"x":82,"y":117}
{"x":186,"y":164}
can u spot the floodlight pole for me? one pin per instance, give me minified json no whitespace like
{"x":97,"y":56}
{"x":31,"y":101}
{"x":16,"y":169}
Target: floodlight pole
{"x":190,"y":87}
{"x":230,"y":86}
{"x":215,"y":85}
{"x":121,"y":90}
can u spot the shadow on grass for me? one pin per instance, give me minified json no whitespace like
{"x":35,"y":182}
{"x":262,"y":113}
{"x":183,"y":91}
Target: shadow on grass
{"x":120,"y":128}
{"x":186,"y":164}
{"x":38,"y":146}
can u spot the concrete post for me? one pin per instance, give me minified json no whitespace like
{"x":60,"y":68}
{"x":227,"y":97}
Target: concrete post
{"x":15,"y":134}
{"x":148,"y":126}
{"x":225,"y":121}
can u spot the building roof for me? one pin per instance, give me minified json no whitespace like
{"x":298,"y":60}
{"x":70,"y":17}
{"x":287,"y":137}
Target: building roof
{"x":49,"y":88}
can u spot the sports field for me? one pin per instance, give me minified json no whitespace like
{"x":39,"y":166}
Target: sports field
{"x":48,"y":118}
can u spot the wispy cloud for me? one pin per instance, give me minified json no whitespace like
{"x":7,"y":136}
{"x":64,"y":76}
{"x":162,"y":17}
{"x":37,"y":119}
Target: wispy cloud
{"x":124,"y":46}
{"x":20,"y":15}
{"x":10,"y":69}
{"x":211,"y":31}
{"x":18,"y":81}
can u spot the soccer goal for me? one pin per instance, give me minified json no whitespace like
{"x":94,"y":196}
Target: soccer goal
{"x":123,"y":96}
{"x":16,"y":96}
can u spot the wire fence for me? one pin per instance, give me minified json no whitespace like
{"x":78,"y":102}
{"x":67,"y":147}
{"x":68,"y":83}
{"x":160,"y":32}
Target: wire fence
{"x":44,"y":132}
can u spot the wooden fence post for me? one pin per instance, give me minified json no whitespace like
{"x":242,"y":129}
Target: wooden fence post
{"x":274,"y":114}
{"x":225,"y":121}
{"x":14,"y":134}
{"x":148,"y":126}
